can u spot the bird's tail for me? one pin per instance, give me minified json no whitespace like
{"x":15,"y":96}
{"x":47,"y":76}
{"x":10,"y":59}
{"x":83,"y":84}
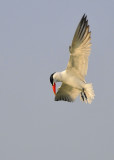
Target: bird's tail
{"x":87,"y":94}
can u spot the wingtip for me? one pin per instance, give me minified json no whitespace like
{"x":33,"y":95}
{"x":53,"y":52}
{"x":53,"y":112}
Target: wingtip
{"x":84,"y":18}
{"x":84,"y":15}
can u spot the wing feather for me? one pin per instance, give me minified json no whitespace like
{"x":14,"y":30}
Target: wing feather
{"x":80,"y":49}
{"x":66,"y":93}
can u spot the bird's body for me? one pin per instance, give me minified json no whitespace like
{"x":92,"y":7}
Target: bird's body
{"x":69,"y":79}
{"x":73,"y":78}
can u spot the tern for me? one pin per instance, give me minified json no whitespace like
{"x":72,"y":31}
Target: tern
{"x":73,"y":78}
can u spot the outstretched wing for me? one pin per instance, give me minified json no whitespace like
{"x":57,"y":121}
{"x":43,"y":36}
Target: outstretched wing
{"x":66,"y":93}
{"x":80,"y":49}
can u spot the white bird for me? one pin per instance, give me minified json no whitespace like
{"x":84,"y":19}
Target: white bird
{"x":73,"y":78}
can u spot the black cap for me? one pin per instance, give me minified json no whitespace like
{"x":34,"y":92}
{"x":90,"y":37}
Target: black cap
{"x":51,"y":78}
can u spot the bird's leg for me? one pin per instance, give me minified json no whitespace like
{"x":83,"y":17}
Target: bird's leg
{"x":82,"y":96}
{"x":85,"y":95}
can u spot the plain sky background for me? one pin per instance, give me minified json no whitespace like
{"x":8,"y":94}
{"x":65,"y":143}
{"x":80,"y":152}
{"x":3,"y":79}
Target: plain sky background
{"x":34,"y":40}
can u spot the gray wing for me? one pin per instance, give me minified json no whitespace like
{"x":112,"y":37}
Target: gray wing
{"x":80,"y":49}
{"x":66,"y":93}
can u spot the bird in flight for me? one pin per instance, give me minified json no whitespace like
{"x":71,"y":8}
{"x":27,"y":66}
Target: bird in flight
{"x":73,"y":78}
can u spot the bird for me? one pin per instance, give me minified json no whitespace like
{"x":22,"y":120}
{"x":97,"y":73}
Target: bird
{"x":73,"y":77}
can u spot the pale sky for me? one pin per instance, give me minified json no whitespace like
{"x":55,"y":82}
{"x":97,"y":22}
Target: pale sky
{"x":34,"y":40}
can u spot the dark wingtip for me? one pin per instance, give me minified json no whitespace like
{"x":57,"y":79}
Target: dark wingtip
{"x":63,"y":98}
{"x":84,"y":15}
{"x":84,"y":18}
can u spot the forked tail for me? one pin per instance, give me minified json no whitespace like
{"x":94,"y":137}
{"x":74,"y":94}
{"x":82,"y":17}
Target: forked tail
{"x":87,"y":94}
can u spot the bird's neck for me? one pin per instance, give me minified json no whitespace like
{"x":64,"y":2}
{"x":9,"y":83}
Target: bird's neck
{"x":58,"y":76}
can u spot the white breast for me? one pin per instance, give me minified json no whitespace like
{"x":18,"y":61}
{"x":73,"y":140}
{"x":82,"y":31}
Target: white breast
{"x":68,"y":78}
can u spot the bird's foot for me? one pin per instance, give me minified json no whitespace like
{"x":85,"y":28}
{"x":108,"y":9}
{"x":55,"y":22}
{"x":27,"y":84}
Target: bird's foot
{"x":83,"y":95}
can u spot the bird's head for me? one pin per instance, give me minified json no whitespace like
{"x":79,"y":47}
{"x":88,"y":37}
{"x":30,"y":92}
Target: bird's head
{"x":53,"y":82}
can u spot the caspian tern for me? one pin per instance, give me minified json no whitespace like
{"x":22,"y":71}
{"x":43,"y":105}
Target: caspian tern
{"x":73,"y":78}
